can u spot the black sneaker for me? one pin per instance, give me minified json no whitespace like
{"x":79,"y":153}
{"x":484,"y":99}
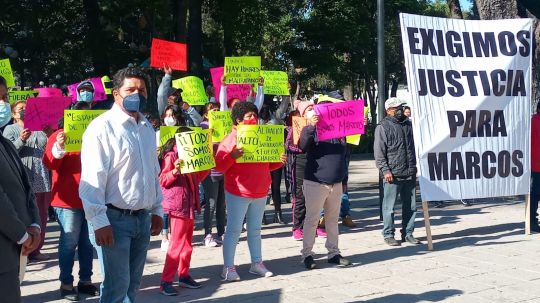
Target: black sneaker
{"x":69,"y":294}
{"x":88,"y":289}
{"x":339,"y":260}
{"x":391,"y":241}
{"x":167,"y":289}
{"x":188,"y":282}
{"x":411,"y":239}
{"x":310,"y":263}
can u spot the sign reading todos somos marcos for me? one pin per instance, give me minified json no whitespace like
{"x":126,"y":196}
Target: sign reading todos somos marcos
{"x":470,"y":84}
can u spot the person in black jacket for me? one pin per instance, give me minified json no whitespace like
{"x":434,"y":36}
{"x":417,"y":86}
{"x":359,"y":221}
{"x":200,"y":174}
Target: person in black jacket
{"x":324,"y":172}
{"x":395,"y":158}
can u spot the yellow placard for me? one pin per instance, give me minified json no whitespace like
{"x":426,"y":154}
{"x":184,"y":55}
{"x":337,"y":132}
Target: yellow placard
{"x":354,"y":139}
{"x":7,"y":72}
{"x":220,"y":123}
{"x":193,"y":91}
{"x":240,"y":70}
{"x":275,"y":83}
{"x":261,"y":143}
{"x":195,"y":149}
{"x":167,"y":132}
{"x":75,"y":123}
{"x":21,"y":95}
{"x":107,"y":84}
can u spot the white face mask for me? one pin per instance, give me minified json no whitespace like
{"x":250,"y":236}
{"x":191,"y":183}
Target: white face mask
{"x":5,"y":113}
{"x":309,"y":114}
{"x":169,"y":121}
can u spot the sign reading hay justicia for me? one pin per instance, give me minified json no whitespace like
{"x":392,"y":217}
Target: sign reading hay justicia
{"x":470,"y":84}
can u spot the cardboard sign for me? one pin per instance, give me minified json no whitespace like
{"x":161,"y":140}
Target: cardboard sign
{"x":193,"y":91}
{"x":239,"y":91}
{"x":338,"y":120}
{"x":167,"y":132}
{"x":7,"y":72}
{"x":75,"y":124}
{"x":298,"y":124}
{"x":195,"y":149}
{"x":21,"y":95}
{"x":472,"y":105}
{"x":167,"y":53}
{"x":46,"y":92}
{"x":99,"y":90}
{"x":42,"y":112}
{"x":239,"y":70}
{"x":275,"y":83}
{"x":220,"y":123}
{"x":261,"y":143}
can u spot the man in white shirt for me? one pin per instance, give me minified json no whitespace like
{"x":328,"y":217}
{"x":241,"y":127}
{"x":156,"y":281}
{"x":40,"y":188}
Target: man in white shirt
{"x":119,"y":186}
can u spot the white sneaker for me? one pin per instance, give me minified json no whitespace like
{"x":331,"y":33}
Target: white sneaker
{"x":229,"y":274}
{"x":260,"y":269}
{"x":209,"y":241}
{"x":164,"y":245}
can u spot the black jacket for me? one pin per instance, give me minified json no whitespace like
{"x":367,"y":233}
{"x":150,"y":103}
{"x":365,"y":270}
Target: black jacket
{"x":326,"y":161}
{"x":394,"y":148}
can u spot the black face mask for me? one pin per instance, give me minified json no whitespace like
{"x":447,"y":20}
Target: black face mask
{"x":400,"y":114}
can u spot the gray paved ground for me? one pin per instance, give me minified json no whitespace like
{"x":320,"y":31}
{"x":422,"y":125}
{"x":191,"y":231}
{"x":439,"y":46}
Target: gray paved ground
{"x":481,"y":255}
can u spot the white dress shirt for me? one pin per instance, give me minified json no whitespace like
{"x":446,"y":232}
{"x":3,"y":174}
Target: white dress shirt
{"x":119,"y":166}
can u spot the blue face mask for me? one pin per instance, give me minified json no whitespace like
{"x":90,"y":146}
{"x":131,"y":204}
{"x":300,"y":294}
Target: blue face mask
{"x":5,"y":113}
{"x":134,"y":103}
{"x":86,"y":96}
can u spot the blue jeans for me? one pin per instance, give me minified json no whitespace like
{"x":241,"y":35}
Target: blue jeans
{"x":407,"y":192}
{"x":237,"y":209}
{"x":345,"y":209}
{"x":124,"y":260}
{"x":74,"y":236}
{"x":92,"y":237}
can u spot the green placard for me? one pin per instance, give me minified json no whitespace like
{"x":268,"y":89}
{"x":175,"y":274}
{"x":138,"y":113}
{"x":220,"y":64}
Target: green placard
{"x":275,"y":83}
{"x":193,"y":91}
{"x":239,"y":70}
{"x":75,"y":123}
{"x":195,"y":149}
{"x":21,"y":95}
{"x":261,"y":143}
{"x":220,"y":123}
{"x":7,"y":72}
{"x":167,"y":132}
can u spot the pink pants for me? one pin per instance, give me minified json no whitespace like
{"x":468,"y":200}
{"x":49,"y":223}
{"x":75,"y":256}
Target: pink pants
{"x":179,"y":253}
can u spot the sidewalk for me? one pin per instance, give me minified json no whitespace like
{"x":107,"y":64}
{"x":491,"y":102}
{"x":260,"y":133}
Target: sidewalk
{"x":481,"y":255}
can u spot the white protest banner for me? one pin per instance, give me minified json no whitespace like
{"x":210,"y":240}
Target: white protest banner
{"x":470,"y":84}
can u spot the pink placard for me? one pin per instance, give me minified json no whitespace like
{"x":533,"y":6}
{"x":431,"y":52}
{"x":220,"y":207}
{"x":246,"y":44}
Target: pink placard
{"x":338,"y":120}
{"x":45,"y":92}
{"x":240,"y":91}
{"x":41,"y":112}
{"x":99,"y":90}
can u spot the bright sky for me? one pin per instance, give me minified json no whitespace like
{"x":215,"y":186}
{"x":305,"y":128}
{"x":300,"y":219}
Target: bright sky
{"x":465,"y":4}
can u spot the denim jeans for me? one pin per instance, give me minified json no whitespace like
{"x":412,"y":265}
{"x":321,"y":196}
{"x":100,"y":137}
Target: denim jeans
{"x":124,"y":260}
{"x":92,"y":237}
{"x":345,"y":208}
{"x":74,"y":237}
{"x":237,"y":209}
{"x":407,"y":192}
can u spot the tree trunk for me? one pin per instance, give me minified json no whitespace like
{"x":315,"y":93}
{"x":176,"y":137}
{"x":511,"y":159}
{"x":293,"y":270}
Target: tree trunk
{"x":94,"y":39}
{"x":455,"y":9}
{"x":179,"y":19}
{"x":195,"y":38}
{"x":229,"y":13}
{"x":508,"y":9}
